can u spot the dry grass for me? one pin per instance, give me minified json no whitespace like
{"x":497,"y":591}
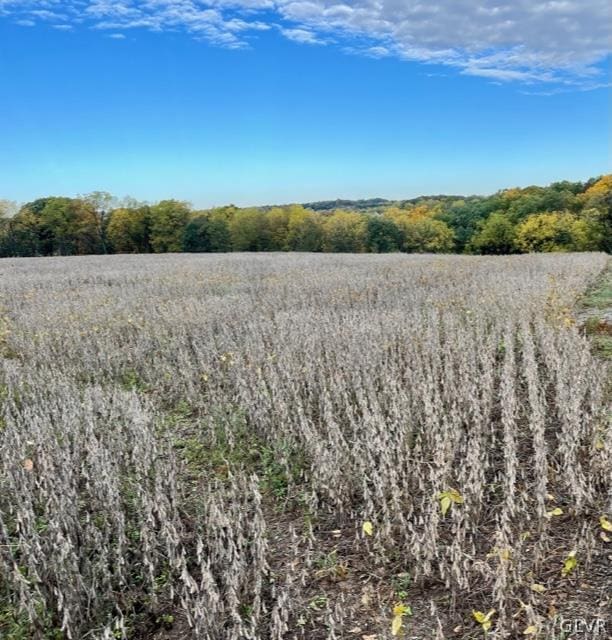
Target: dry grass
{"x":190,"y":446}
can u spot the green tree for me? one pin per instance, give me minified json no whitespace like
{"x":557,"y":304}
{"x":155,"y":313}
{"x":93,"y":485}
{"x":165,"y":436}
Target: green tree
{"x":168,"y":221}
{"x":344,"y":231}
{"x":427,"y":235}
{"x":220,"y":239}
{"x":277,"y":224}
{"x":520,"y":203}
{"x":101,"y":203}
{"x":249,"y":230}
{"x":597,"y":203}
{"x":206,"y":233}
{"x":304,"y":230}
{"x":56,"y":226}
{"x":464,"y":216}
{"x":127,"y":230}
{"x":421,"y":231}
{"x":382,"y":235}
{"x":497,"y":236}
{"x":7,"y":230}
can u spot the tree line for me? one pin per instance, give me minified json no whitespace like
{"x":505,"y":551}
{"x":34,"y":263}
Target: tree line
{"x":565,"y":216}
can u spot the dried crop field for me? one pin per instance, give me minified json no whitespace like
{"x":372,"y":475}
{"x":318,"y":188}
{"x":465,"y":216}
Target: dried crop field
{"x":294,"y":446}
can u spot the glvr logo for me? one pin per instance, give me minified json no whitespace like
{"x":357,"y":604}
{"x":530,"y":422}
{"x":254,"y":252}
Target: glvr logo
{"x":593,"y":628}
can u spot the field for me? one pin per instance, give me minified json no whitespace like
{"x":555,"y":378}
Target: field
{"x":300,"y":446}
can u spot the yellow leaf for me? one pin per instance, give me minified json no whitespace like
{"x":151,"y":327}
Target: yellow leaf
{"x":367,"y":528}
{"x":396,"y":625}
{"x":606,"y":525}
{"x":604,"y":537}
{"x":569,"y":564}
{"x":481,"y":617}
{"x":599,"y":444}
{"x":447,"y":498}
{"x":538,"y":588}
{"x":400,"y":609}
{"x":455,"y":496}
{"x":555,"y":512}
{"x":484,"y":620}
{"x":445,"y":503}
{"x":532,"y":629}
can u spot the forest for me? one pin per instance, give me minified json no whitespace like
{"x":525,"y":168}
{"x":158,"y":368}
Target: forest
{"x":564,"y":216}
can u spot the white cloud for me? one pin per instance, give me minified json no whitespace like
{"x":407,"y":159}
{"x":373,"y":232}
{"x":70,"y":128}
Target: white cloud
{"x":509,"y":40}
{"x":45,"y":14}
{"x":377,"y":51}
{"x":561,"y":42}
{"x":303,"y":36}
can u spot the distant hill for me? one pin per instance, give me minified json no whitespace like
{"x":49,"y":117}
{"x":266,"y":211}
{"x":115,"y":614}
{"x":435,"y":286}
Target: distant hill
{"x":375,"y":205}
{"x":353,"y":205}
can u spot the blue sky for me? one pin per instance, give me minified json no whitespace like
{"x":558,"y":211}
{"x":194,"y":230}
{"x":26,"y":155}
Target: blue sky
{"x":258,"y":101}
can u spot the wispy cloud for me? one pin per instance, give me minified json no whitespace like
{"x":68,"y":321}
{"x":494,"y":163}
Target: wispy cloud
{"x":303,"y":36}
{"x":553,"y":42}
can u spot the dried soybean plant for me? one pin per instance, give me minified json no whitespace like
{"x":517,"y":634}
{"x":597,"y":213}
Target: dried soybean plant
{"x":257,"y":446}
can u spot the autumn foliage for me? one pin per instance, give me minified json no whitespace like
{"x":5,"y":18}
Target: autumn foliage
{"x":565,"y":216}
